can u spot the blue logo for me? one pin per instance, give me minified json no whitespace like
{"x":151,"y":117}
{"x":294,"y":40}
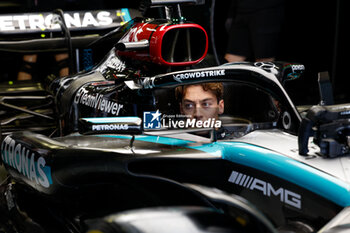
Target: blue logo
{"x":151,"y":120}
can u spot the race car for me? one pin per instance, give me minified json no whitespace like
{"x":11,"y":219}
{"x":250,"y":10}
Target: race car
{"x":112,"y":150}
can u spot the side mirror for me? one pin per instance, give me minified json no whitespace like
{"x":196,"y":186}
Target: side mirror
{"x":170,"y":44}
{"x":115,"y":125}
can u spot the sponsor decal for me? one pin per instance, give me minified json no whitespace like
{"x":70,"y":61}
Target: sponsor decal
{"x":133,"y":33}
{"x":106,"y":127}
{"x":74,"y":20}
{"x":153,"y":120}
{"x":116,"y":64}
{"x":286,"y":196}
{"x":139,"y":29}
{"x":297,"y":68}
{"x":199,"y":74}
{"x":97,"y":101}
{"x":345,"y":113}
{"x":23,"y":160}
{"x":148,"y":83}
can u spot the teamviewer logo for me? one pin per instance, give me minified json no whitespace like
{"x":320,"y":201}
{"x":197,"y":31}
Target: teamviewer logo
{"x":151,"y":120}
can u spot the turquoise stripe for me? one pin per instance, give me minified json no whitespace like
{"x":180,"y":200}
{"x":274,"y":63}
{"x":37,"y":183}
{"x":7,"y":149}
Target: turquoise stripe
{"x":291,"y":170}
{"x":126,"y":14}
{"x":154,"y":139}
{"x":269,"y":162}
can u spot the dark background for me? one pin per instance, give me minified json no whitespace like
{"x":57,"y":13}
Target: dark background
{"x":314,"y":34}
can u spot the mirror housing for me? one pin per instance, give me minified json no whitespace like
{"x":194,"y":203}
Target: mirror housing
{"x":164,"y":43}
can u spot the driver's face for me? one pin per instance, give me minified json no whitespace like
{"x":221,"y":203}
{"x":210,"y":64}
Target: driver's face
{"x":200,"y":104}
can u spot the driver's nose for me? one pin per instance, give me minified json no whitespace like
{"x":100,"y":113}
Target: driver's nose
{"x":198,"y":114}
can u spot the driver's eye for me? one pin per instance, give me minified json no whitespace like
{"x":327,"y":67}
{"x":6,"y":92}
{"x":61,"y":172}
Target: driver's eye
{"x":206,"y":104}
{"x":189,"y":106}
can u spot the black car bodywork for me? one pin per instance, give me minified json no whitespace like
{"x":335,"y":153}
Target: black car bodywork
{"x":86,"y":160}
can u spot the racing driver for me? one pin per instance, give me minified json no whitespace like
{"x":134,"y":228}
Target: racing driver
{"x":201,"y":101}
